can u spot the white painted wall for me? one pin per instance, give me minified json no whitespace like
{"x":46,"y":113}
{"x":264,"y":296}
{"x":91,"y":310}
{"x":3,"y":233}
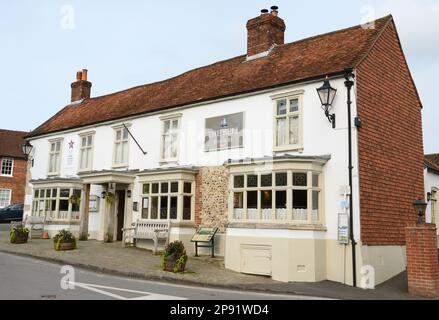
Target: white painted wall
{"x":431,"y":180}
{"x":319,"y":139}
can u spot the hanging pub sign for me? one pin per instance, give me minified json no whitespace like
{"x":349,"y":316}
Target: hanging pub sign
{"x":224,"y":132}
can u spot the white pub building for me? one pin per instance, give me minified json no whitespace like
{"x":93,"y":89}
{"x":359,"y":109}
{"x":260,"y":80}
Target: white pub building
{"x":245,"y":145}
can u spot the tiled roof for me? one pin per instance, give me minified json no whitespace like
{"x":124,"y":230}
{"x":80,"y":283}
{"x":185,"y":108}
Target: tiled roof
{"x":10,"y":143}
{"x":432,"y":161}
{"x":314,"y":57}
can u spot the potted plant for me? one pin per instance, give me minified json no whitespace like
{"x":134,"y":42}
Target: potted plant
{"x":109,"y":198}
{"x":74,"y":199}
{"x":174,"y":258}
{"x":64,"y":240}
{"x":18,"y":234}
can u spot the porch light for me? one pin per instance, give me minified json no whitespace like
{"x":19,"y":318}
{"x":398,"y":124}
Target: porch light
{"x":27,"y":148}
{"x":420,"y":206}
{"x":327,"y":94}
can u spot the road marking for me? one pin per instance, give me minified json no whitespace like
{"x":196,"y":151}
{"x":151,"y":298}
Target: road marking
{"x":144,"y":295}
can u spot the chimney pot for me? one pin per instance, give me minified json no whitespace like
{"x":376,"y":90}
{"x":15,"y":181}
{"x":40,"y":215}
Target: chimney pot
{"x":264,"y":11}
{"x":84,"y":74}
{"x":78,"y":75}
{"x":274,"y":11}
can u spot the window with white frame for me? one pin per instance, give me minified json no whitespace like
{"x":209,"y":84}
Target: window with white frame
{"x":86,"y":152}
{"x":168,"y":200}
{"x":7,"y":164}
{"x":287,"y":123}
{"x":5,"y":197}
{"x":55,"y":156}
{"x":120,"y":157}
{"x":284,"y":196}
{"x":169,"y":139}
{"x":57,"y":203}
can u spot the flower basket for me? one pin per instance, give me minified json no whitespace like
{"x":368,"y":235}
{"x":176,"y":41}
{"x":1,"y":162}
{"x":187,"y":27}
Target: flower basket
{"x":64,"y":240}
{"x":174,"y":258}
{"x":18,"y":234}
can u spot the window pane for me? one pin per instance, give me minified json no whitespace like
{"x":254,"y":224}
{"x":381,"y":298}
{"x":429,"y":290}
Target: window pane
{"x":186,"y":208}
{"x":52,"y":147}
{"x":125,"y":134}
{"x":163,"y":207}
{"x":281,"y":107}
{"x":281,"y":179}
{"x":154,"y":207}
{"x":281,"y":199}
{"x":124,"y":152}
{"x":89,"y":140}
{"x":238,"y":181}
{"x":64,"y":205}
{"x":315,"y":180}
{"x":266,"y":199}
{"x":53,"y":205}
{"x":315,"y":206}
{"x":155,"y":188}
{"x":36,"y":193}
{"x":294,"y":105}
{"x":300,"y":179}
{"x":252,"y":181}
{"x":300,"y":199}
{"x":64,"y":193}
{"x":166,"y":126}
{"x":145,"y":188}
{"x":187,"y":187}
{"x":252,"y":199}
{"x":48,"y":193}
{"x":83,"y":141}
{"x":238,"y":200}
{"x":294,"y":130}
{"x":174,"y":124}
{"x":58,"y":146}
{"x":266,"y":180}
{"x":164,"y":187}
{"x":281,"y":137}
{"x":174,"y":186}
{"x":54,"y":193}
{"x":145,"y":202}
{"x":173,"y":209}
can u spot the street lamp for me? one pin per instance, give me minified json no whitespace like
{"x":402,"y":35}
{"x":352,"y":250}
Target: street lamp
{"x":327,"y":94}
{"x":27,"y":148}
{"x":420,"y":206}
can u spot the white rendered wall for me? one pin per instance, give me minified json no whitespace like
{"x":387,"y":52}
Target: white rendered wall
{"x":319,"y":139}
{"x":431,"y":180}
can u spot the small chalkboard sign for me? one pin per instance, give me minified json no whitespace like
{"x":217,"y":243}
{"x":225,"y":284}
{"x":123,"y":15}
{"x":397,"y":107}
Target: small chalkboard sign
{"x":205,"y":235}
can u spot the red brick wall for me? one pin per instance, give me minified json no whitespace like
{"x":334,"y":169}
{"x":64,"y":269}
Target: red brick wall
{"x":17,"y":182}
{"x":390,"y":143}
{"x":422,"y":260}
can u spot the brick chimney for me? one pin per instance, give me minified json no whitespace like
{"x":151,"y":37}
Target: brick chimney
{"x":81,"y":88}
{"x":264,"y":31}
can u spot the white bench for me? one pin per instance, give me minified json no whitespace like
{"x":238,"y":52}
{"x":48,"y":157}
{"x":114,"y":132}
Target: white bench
{"x":35,"y":225}
{"x":147,"y":229}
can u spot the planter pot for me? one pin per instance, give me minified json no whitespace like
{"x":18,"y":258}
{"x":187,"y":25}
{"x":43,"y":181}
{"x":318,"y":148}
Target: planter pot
{"x":170,"y":264}
{"x":63,"y":246}
{"x":20,"y":239}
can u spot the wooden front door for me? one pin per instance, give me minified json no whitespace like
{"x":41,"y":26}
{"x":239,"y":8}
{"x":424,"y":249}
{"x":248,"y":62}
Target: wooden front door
{"x":120,"y":213}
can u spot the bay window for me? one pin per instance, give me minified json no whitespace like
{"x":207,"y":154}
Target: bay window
{"x":285,"y":196}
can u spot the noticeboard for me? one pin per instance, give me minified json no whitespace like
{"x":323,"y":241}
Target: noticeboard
{"x":204,"y":235}
{"x":343,"y":228}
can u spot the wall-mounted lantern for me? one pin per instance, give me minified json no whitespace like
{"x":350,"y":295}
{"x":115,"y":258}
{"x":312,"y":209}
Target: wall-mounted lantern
{"x":420,"y":206}
{"x":327,"y":94}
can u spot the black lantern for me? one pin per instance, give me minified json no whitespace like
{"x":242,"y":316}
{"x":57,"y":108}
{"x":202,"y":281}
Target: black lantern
{"x":27,"y":148}
{"x":420,"y":206}
{"x":327,"y":94}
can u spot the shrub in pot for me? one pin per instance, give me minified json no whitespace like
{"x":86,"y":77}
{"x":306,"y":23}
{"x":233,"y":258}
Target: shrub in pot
{"x":174,"y":258}
{"x":64,"y":240}
{"x":18,"y":234}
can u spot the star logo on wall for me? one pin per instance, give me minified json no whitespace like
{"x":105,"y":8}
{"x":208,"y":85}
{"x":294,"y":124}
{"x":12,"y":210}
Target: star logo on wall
{"x":71,"y":143}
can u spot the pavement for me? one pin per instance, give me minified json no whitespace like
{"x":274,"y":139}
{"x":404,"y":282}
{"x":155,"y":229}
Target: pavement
{"x":111,"y":258}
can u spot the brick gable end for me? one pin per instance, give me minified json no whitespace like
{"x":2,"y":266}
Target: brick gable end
{"x":390,"y":142}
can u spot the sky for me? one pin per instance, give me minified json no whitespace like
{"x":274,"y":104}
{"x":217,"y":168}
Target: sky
{"x":128,"y":43}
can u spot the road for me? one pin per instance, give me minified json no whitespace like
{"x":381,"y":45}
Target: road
{"x":4,"y":226}
{"x":28,"y":278}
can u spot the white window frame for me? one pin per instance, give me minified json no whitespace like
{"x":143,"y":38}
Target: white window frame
{"x":10,"y":196}
{"x":58,"y":163}
{"x":90,"y":149}
{"x":122,"y":140}
{"x":164,"y":119}
{"x":12,"y":167}
{"x":288,"y":96}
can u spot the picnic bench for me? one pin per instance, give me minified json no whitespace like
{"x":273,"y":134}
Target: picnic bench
{"x":35,"y":225}
{"x":148,"y":230}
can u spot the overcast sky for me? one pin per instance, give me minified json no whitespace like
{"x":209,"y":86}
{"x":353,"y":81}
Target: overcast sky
{"x":128,"y":43}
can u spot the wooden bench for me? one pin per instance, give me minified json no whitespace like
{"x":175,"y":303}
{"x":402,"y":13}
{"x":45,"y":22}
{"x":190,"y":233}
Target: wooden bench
{"x":35,"y":225}
{"x":147,"y":229}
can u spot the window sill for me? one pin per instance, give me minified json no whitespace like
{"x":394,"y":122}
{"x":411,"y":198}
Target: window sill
{"x":6,"y":175}
{"x":288,"y":226}
{"x":119,"y":166}
{"x":170,"y":161}
{"x":288,"y":148}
